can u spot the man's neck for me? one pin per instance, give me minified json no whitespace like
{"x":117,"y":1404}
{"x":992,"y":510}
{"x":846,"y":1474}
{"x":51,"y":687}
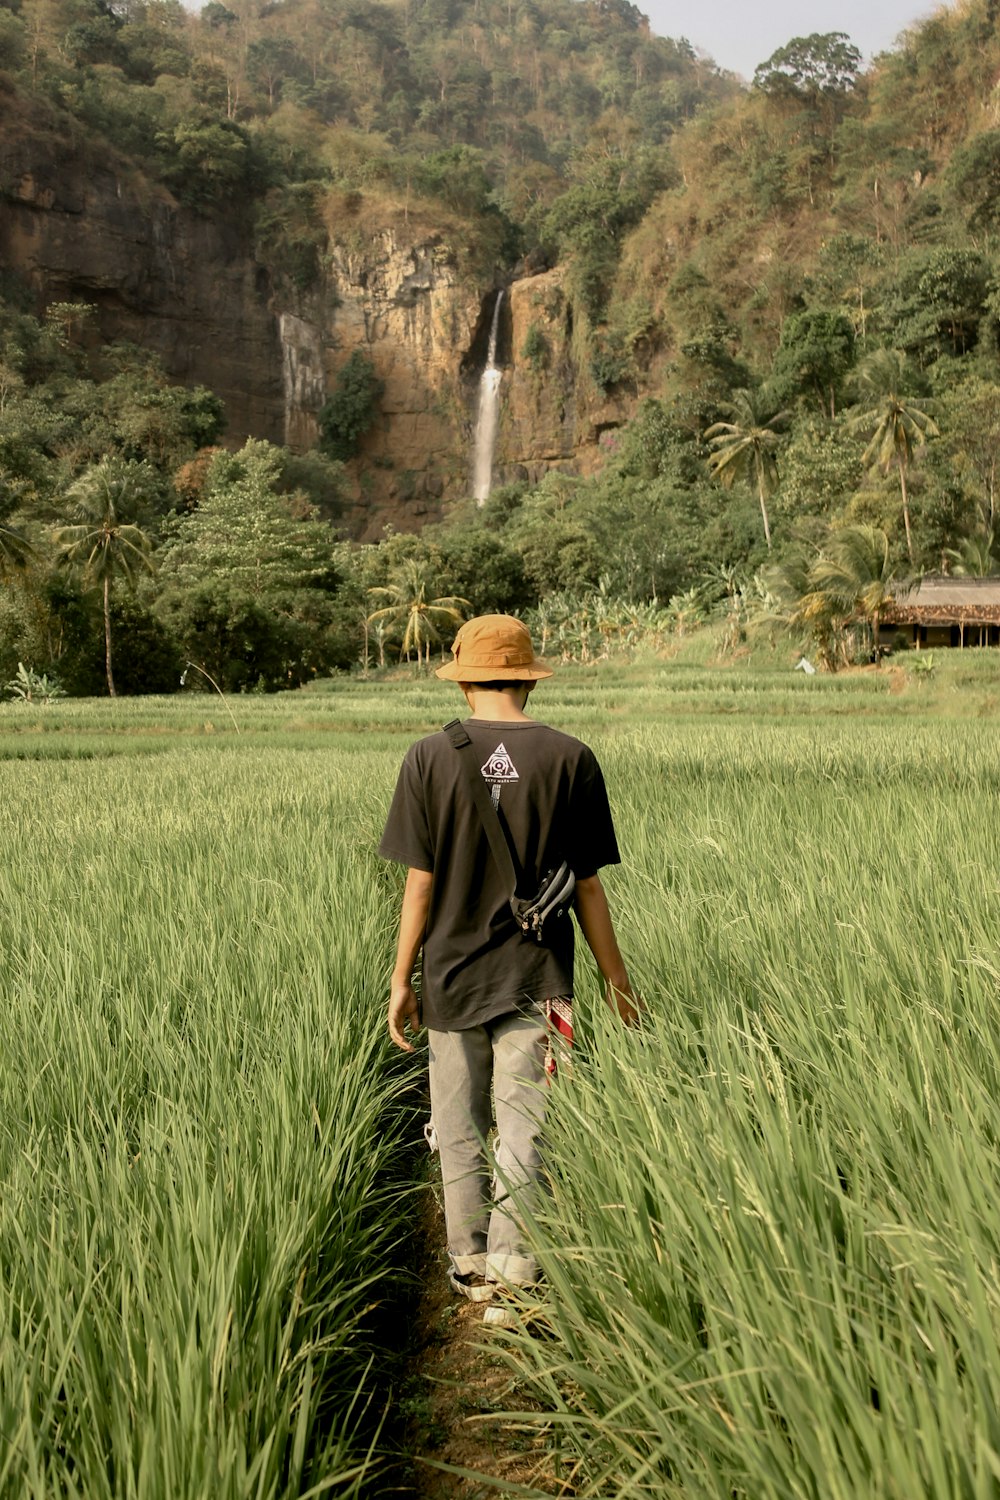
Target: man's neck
{"x":501,"y":707}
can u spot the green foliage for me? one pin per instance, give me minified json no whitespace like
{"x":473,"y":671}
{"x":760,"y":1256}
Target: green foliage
{"x":821,"y":469}
{"x":147,"y":656}
{"x":51,"y":621}
{"x":937,"y":303}
{"x":974,"y":173}
{"x":290,"y":232}
{"x":892,"y":421}
{"x":535,"y":351}
{"x":28,"y":686}
{"x":249,"y":578}
{"x":589,"y":219}
{"x":484,"y":569}
{"x":241,"y":642}
{"x":351,"y":408}
{"x":208,"y":161}
{"x":745,"y":447}
{"x":406,"y":615}
{"x":810,"y":67}
{"x":814,"y":357}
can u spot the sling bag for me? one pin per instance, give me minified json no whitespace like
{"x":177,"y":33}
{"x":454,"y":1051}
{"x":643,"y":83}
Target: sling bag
{"x":552,"y":900}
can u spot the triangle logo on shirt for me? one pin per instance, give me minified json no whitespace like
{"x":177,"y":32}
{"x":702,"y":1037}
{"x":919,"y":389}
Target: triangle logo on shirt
{"x":500,"y":767}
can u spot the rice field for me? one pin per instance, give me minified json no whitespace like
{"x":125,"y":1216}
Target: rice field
{"x":772,"y":1246}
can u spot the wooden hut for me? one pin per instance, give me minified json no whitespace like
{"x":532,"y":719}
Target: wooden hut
{"x":943,"y":611}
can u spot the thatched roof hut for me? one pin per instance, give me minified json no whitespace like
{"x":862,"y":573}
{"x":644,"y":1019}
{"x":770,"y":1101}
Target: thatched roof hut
{"x":943,"y":611}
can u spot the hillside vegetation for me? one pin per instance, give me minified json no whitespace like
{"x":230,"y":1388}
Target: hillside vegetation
{"x":792,"y":287}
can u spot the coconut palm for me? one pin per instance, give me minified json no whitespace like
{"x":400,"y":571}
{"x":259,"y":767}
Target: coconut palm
{"x":745,"y":448}
{"x":103,"y":545}
{"x":892,"y":421}
{"x":409,"y":613}
{"x":15,"y":551}
{"x":854,"y":576}
{"x":975,"y":556}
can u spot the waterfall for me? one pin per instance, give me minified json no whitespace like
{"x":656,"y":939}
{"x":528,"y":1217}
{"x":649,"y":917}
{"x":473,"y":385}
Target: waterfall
{"x":488,"y":415}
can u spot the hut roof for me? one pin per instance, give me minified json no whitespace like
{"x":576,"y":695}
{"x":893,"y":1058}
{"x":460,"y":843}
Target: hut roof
{"x":940,"y":600}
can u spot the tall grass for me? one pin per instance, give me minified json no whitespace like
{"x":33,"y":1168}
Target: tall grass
{"x":199,"y":1130}
{"x":773,"y":1243}
{"x":773,"y":1240}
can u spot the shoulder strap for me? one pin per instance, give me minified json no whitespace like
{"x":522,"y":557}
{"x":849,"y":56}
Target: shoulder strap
{"x":484,"y":806}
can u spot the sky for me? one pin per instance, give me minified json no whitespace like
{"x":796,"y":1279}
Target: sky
{"x":739,"y":34}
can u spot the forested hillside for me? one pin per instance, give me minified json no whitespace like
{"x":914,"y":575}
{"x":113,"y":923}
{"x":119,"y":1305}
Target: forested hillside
{"x":775,"y":310}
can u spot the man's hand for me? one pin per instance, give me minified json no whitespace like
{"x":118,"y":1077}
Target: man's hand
{"x":403,"y":1005}
{"x":595,"y":923}
{"x":404,"y":1009}
{"x":627,"y":1005}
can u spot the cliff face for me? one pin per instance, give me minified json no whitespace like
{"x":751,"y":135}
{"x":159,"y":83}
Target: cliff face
{"x":552,"y":416}
{"x":189,"y":288}
{"x":161,"y":276}
{"x":426,"y":329}
{"x":409,"y":308}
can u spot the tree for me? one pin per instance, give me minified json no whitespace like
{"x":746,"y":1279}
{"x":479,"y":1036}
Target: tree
{"x":246,"y":531}
{"x":15,"y":550}
{"x":891,"y":420}
{"x":937,"y":302}
{"x":409,"y":613}
{"x":846,"y":273}
{"x":253,"y":565}
{"x":975,"y":557}
{"x":855,"y":577}
{"x":973,"y":439}
{"x":350,"y":410}
{"x":105,"y":545}
{"x":815,"y":353}
{"x":822,"y":65}
{"x":745,"y":448}
{"x":974,"y":172}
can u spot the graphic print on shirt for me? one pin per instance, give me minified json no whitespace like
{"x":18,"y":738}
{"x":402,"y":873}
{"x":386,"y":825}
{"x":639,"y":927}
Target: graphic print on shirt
{"x":498,"y":769}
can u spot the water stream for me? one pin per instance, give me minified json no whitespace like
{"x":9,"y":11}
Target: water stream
{"x":488,"y":415}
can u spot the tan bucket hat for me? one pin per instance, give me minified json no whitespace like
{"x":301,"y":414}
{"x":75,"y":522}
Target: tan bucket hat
{"x":493,"y":648}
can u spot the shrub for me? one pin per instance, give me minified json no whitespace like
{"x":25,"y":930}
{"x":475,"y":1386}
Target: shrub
{"x":350,"y":410}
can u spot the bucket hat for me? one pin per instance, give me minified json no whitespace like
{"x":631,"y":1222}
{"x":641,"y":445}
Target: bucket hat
{"x":493,"y":648}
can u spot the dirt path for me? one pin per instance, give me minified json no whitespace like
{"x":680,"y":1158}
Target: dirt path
{"x":456,"y":1382}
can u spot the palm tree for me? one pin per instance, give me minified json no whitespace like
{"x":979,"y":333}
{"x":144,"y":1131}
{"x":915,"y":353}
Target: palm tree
{"x":892,"y":421}
{"x":745,"y":448}
{"x":103,"y":544}
{"x":975,"y":556}
{"x":855,"y":577}
{"x":15,"y":551}
{"x":409,"y":612}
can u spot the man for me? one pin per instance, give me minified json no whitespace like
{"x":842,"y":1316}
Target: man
{"x":488,"y":992}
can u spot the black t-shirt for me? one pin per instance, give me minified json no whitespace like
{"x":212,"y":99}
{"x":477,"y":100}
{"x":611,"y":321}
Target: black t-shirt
{"x":552,"y":801}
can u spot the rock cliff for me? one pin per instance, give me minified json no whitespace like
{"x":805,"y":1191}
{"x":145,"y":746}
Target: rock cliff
{"x":189,"y":287}
{"x":163,"y":277}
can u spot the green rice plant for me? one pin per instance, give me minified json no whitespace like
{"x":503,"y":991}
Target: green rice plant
{"x":772,"y":1242}
{"x":200,"y":1132}
{"x":771,"y":1245}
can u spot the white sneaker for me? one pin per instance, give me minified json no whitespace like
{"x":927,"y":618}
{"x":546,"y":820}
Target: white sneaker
{"x":471,"y":1285}
{"x":501,"y":1315}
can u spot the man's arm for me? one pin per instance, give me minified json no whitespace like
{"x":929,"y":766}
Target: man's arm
{"x":403,"y":1006}
{"x":594,"y":917}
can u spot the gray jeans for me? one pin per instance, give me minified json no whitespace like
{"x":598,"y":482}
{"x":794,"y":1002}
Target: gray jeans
{"x":482,"y":1221}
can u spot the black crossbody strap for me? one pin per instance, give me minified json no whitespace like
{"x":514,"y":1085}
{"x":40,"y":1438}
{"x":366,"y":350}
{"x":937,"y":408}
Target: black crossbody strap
{"x":487,"y":812}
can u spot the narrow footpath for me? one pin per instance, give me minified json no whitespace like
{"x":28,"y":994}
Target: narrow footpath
{"x":456,"y":1384}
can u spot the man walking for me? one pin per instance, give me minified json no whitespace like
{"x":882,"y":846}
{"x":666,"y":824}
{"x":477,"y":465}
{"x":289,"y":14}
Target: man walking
{"x":491,"y":996}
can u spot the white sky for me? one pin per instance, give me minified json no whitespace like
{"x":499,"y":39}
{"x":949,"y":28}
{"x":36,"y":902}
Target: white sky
{"x":739,"y":34}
